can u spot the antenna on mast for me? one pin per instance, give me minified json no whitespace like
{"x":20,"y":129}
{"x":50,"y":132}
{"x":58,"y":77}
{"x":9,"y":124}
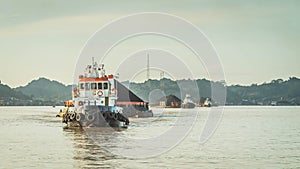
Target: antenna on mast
{"x":162,"y":74}
{"x":148,"y":67}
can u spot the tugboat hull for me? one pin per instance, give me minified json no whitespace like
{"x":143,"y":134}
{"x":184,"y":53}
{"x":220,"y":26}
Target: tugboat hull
{"x":93,"y":117}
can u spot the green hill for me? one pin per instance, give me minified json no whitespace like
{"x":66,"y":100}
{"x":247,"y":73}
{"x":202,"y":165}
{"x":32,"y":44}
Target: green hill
{"x":9,"y":96}
{"x":49,"y":92}
{"x":45,"y":89}
{"x":277,"y":90}
{"x":8,"y":93}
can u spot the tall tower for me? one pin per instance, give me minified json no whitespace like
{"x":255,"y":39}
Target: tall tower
{"x":162,"y":74}
{"x":148,"y":67}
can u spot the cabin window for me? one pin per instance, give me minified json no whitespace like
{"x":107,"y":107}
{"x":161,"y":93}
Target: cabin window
{"x":81,"y":86}
{"x":99,"y":85}
{"x":87,"y":86}
{"x":93,"y":86}
{"x":105,"y":85}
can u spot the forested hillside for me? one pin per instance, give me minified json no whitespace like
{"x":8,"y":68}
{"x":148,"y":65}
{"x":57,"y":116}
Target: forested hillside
{"x":36,"y":93}
{"x":45,"y":89}
{"x":46,"y":92}
{"x":277,"y":90}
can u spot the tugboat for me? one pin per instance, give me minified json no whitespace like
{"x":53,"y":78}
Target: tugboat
{"x":188,"y":102}
{"x":94,"y":100}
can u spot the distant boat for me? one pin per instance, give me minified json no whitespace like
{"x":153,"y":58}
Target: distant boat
{"x":207,"y":103}
{"x":188,"y":102}
{"x":69,"y":108}
{"x":281,"y":103}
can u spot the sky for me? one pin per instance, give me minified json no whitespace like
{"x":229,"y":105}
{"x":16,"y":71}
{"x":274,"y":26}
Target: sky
{"x":256,"y":41}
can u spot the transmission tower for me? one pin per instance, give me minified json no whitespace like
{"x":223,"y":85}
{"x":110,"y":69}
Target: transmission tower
{"x":162,"y":74}
{"x":148,"y":67}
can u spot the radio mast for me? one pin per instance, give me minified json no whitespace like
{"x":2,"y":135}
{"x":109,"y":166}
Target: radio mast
{"x":162,"y":74}
{"x":148,"y":67}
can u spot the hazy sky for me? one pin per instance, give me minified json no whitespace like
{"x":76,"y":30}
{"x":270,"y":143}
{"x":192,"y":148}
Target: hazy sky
{"x":256,"y":40}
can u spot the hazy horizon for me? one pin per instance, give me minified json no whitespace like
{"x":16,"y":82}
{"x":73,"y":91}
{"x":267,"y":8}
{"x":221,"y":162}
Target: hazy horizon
{"x":256,"y":41}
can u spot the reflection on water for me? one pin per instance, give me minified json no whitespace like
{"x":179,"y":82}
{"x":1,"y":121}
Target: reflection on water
{"x":87,"y":154}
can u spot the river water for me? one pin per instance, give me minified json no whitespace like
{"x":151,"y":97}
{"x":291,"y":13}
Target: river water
{"x":247,"y":137}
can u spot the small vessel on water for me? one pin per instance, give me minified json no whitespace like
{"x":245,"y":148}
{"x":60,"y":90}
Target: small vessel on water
{"x":69,"y":106}
{"x":188,"y":102}
{"x":94,"y":101}
{"x":207,"y":102}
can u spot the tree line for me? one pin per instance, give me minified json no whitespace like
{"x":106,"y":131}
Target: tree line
{"x":46,"y":92}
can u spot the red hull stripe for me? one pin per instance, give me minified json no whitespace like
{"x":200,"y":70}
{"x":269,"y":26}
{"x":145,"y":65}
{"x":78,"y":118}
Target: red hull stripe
{"x":132,"y":103}
{"x":88,"y":79}
{"x":69,"y":103}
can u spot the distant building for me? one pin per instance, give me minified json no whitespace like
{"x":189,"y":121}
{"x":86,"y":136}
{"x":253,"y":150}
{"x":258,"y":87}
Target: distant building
{"x":170,"y":101}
